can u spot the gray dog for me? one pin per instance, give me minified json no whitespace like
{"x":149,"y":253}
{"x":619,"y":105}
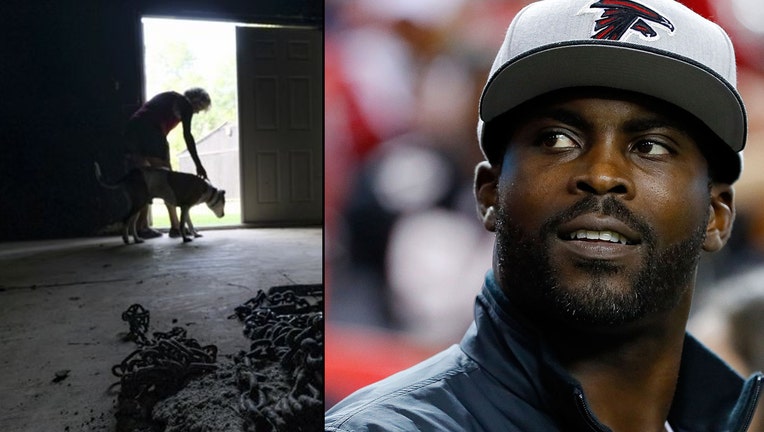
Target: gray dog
{"x":180,"y":189}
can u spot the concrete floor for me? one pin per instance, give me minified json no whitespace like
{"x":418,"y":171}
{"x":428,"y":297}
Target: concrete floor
{"x":61,"y":303}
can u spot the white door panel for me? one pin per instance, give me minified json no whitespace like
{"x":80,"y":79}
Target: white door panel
{"x":280,"y":73}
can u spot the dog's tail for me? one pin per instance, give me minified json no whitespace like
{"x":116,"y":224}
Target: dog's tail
{"x":100,"y":179}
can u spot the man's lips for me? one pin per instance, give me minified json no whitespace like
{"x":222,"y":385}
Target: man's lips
{"x":596,"y":227}
{"x":607,"y":236}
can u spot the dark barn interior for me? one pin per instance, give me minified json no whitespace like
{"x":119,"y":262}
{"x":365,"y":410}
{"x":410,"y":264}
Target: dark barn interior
{"x":71,"y":74}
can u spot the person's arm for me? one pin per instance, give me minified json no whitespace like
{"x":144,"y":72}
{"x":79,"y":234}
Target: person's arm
{"x":191,"y":144}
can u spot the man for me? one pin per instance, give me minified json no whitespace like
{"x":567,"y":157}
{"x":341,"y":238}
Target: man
{"x":146,"y":133}
{"x":611,"y":130}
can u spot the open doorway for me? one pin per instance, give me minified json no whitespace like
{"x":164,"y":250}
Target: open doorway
{"x":180,"y":54}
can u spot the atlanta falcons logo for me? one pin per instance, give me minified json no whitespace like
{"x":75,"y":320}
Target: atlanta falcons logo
{"x":620,"y":16}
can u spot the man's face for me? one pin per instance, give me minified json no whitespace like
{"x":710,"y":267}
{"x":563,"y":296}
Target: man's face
{"x":602,"y":209}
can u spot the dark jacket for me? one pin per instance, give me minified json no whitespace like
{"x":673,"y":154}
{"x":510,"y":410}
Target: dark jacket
{"x":501,"y":378}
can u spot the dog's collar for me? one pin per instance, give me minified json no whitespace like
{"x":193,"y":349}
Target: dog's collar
{"x":213,"y":197}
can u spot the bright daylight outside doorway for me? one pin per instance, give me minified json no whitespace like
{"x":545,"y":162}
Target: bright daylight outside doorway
{"x":180,"y":54}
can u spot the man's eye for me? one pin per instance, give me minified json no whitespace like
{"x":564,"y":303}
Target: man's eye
{"x":651,"y":148}
{"x":557,"y":140}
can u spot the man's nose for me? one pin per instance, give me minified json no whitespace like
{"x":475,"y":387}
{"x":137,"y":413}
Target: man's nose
{"x":603,"y":169}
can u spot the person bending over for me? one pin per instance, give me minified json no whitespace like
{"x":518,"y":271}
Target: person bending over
{"x":146,"y":134}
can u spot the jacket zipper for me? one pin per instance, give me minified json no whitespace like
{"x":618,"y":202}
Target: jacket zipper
{"x":586,"y":413}
{"x":594,"y":425}
{"x":755,"y":391}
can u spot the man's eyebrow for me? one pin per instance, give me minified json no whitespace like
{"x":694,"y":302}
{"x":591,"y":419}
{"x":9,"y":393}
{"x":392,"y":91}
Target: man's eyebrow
{"x":563,"y":115}
{"x":654,"y":122}
{"x":635,"y":125}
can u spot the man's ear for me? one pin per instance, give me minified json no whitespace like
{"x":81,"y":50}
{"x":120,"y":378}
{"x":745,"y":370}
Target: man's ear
{"x":486,"y":193}
{"x":721,"y":216}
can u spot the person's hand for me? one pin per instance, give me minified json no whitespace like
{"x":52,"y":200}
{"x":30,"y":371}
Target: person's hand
{"x":201,"y":172}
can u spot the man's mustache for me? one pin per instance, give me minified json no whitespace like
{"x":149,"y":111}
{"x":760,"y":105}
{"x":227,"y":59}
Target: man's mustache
{"x":609,"y":206}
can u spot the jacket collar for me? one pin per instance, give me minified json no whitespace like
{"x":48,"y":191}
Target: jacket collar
{"x":709,"y":394}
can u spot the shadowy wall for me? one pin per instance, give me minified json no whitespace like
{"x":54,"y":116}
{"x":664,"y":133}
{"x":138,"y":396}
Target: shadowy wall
{"x":70,"y":76}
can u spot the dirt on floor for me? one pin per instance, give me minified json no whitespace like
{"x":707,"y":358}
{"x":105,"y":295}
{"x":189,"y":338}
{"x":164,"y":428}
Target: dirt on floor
{"x":172,"y":383}
{"x":61,"y":332}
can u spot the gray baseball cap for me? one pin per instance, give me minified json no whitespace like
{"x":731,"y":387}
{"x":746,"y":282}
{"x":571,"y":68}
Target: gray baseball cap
{"x":659,"y":48}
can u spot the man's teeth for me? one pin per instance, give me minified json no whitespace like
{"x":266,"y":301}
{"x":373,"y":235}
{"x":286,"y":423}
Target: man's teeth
{"x":608,"y":236}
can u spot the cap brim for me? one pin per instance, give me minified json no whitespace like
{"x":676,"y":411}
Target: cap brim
{"x":682,"y":82}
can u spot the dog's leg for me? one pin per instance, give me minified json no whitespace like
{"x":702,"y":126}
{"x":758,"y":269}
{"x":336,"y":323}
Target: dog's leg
{"x":134,"y":228}
{"x":184,"y":221}
{"x":128,"y":221}
{"x":196,"y":233}
{"x":192,"y":231}
{"x":129,"y":227}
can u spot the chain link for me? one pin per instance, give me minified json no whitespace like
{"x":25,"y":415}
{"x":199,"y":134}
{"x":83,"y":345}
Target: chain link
{"x":280,"y":377}
{"x":286,"y":326}
{"x":162,"y":364}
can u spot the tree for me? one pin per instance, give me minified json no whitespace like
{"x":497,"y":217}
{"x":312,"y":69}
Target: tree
{"x":177,"y":60}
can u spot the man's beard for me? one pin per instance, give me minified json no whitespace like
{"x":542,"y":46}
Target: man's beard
{"x":656,"y":286}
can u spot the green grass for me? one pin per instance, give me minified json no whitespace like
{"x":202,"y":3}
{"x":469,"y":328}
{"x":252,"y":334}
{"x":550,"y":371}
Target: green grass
{"x":201,"y":215}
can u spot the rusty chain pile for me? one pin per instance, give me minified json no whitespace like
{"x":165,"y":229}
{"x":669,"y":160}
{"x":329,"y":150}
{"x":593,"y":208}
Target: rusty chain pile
{"x":160,"y":366}
{"x":286,"y":326}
